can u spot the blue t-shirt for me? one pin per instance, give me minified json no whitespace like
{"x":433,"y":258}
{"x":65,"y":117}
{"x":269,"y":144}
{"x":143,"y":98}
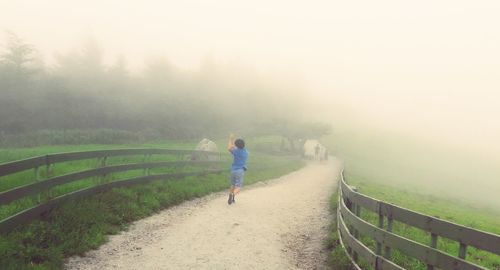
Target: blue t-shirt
{"x":240,"y":158}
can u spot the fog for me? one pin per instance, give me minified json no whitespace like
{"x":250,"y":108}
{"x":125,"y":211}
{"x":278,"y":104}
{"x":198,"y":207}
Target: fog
{"x":425,"y":73}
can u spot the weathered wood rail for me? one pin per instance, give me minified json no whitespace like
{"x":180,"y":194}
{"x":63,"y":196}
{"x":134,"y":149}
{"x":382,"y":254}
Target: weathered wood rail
{"x":351,"y":226}
{"x":208,"y":161}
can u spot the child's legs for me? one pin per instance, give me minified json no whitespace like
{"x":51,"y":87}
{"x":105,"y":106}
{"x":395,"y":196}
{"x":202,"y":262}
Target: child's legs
{"x":236,"y":181}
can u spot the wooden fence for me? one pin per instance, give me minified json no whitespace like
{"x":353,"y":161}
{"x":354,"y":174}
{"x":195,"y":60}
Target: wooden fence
{"x":209,"y":161}
{"x":351,"y":227}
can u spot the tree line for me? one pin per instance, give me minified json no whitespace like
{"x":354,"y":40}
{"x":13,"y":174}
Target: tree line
{"x":79,"y":94}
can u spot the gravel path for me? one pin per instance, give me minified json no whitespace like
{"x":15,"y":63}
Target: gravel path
{"x":280,"y":224}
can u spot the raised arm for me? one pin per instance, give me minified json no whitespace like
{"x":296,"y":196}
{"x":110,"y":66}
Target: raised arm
{"x":230,"y":143}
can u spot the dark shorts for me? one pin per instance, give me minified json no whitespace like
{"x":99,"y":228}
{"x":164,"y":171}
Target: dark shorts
{"x":237,"y":177}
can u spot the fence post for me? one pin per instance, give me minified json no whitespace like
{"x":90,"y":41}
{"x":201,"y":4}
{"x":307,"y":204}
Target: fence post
{"x":389,"y":229}
{"x":462,"y":251}
{"x":357,"y":212}
{"x":380,"y":225}
{"x":37,"y":178}
{"x":97,"y":178}
{"x":103,"y":164}
{"x":349,"y":206}
{"x":434,"y":239}
{"x":354,"y":209}
{"x":48,"y":171}
{"x":147,"y":158}
{"x":377,"y":263}
{"x":37,"y":173}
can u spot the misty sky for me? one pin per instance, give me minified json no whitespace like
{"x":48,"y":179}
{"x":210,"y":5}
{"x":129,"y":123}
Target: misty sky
{"x":431,"y":68}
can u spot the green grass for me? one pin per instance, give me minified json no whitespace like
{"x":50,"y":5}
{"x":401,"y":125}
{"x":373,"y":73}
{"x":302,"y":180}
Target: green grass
{"x":456,"y":211}
{"x":12,"y":154}
{"x":453,"y":211}
{"x":430,"y":179}
{"x":26,"y":177}
{"x":84,"y":224}
{"x":450,"y":210}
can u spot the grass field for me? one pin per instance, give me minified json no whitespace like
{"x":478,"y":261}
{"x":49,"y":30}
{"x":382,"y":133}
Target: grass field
{"x":454,"y":211}
{"x":423,"y":178}
{"x":84,"y":224}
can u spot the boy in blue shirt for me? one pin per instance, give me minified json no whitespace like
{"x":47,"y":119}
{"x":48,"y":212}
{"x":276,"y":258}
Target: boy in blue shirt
{"x":238,"y":168}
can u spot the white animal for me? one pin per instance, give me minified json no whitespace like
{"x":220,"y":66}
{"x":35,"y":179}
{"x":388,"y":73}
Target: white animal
{"x":207,"y":145}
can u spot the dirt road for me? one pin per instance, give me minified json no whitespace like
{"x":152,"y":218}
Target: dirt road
{"x":280,"y":224}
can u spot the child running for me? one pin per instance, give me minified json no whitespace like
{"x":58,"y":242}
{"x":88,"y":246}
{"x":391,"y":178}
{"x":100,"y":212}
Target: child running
{"x":238,"y":168}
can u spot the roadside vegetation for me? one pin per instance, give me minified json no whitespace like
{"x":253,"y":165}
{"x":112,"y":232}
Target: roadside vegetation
{"x":84,"y":224}
{"x":447,"y":209}
{"x":389,"y":169}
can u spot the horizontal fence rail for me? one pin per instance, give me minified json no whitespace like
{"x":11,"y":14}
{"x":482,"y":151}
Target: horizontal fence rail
{"x":209,"y":161}
{"x":46,"y":160}
{"x":351,"y":226}
{"x":36,"y":187}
